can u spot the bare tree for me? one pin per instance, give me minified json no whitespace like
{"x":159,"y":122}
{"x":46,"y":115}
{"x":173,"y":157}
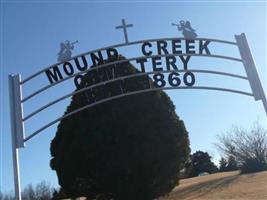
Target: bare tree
{"x":247,"y":147}
{"x":28,"y":193}
{"x":6,"y":196}
{"x":42,"y":191}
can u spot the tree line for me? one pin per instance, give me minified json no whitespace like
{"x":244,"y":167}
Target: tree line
{"x":42,"y":191}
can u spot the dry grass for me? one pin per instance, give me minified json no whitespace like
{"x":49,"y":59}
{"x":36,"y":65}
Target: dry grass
{"x":222,"y":186}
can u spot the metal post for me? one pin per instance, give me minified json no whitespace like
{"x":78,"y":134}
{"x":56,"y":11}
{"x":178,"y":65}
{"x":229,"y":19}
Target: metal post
{"x":16,"y":172}
{"x":17,"y":128}
{"x":251,"y":70}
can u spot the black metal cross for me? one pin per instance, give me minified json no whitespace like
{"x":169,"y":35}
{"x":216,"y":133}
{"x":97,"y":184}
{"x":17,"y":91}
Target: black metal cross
{"x":124,"y":26}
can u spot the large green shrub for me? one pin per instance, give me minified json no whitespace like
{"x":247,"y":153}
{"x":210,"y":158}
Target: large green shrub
{"x":125,"y":149}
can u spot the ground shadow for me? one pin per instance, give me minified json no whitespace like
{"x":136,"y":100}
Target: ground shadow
{"x":201,"y":189}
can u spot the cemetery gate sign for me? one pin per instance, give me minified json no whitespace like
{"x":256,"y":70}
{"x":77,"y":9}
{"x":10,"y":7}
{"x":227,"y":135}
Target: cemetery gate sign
{"x":169,"y":58}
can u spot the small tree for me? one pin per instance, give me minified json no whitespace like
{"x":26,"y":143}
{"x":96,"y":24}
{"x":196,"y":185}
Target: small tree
{"x":228,"y":165}
{"x":201,"y":162}
{"x":247,"y":148}
{"x":223,"y":165}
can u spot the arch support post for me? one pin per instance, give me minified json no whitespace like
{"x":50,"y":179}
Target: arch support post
{"x":251,"y":69}
{"x":17,"y":128}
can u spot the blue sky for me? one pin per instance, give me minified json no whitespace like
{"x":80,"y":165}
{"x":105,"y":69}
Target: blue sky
{"x":30,"y":36}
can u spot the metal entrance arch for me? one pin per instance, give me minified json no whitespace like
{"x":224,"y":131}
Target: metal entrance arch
{"x":16,"y":88}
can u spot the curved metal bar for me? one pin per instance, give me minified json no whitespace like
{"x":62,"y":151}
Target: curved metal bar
{"x":216,"y":72}
{"x":122,"y":45}
{"x":125,"y":77}
{"x":118,"y":62}
{"x":131,"y":93}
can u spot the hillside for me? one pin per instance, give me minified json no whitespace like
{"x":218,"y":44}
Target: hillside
{"x":222,"y":186}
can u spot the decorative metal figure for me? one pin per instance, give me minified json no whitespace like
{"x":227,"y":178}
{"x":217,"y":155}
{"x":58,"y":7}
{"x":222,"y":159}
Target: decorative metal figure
{"x":65,"y":50}
{"x":187,"y":30}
